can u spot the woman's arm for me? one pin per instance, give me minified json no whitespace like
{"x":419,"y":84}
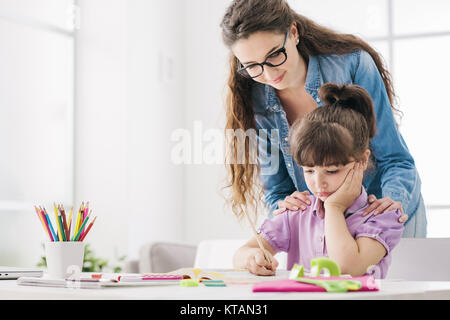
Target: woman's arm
{"x":274,"y":175}
{"x":399,"y":178}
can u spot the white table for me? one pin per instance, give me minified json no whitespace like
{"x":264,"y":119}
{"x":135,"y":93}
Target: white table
{"x":389,"y":289}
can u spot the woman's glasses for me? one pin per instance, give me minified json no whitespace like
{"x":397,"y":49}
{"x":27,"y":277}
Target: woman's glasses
{"x":275,"y":59}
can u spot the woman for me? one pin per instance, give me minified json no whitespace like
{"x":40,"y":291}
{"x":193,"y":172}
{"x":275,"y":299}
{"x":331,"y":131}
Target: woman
{"x":278,"y":61}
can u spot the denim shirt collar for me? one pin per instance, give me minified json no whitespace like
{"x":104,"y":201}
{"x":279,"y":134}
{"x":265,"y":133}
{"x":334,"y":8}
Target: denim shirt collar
{"x":313,"y":82}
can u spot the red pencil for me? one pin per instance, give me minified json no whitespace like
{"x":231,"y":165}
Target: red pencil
{"x":44,"y":222}
{"x":87,"y":230}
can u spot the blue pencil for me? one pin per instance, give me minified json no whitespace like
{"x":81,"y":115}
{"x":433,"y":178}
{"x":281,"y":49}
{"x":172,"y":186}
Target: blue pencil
{"x":50,"y":225}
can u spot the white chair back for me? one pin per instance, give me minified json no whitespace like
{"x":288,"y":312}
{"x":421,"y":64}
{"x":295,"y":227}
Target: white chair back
{"x":218,"y":254}
{"x":421,"y":259}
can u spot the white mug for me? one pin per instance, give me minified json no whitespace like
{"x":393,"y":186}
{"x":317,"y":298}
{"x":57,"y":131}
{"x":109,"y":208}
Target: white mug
{"x":63,"y":257}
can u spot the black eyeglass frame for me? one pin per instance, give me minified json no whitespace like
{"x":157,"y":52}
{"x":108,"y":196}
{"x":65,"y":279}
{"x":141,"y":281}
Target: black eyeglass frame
{"x":242,"y":70}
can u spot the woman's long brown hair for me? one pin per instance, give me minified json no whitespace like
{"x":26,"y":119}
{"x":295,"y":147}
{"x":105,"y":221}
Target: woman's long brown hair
{"x":242,"y":18}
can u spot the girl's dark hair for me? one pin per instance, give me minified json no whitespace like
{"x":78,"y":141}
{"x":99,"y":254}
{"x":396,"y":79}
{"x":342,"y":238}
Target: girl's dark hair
{"x":338,"y":131}
{"x":243,"y":18}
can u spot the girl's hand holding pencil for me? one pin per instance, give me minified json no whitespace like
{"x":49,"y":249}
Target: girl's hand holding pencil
{"x":261,"y":262}
{"x":66,"y":228}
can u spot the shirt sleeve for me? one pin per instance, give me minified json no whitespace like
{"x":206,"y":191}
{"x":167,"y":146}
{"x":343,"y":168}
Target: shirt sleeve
{"x":384,"y":228}
{"x":398,"y":175}
{"x":274,"y":175}
{"x":277,"y":232}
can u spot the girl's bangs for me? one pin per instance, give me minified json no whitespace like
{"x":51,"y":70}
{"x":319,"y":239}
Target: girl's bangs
{"x":323,"y":148}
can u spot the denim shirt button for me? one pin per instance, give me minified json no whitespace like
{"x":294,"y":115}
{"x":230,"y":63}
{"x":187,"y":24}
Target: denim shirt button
{"x":318,"y":99}
{"x":275,"y":107}
{"x":286,"y":139}
{"x":289,"y":165}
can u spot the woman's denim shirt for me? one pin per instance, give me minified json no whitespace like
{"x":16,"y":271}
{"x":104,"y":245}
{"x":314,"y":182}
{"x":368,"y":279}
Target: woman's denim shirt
{"x":395,"y":175}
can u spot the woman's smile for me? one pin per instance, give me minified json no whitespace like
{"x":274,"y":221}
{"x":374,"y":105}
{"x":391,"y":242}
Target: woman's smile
{"x":279,"y":79}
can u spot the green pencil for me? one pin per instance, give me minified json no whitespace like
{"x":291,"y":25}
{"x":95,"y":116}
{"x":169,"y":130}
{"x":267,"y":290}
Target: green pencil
{"x":82,"y":226}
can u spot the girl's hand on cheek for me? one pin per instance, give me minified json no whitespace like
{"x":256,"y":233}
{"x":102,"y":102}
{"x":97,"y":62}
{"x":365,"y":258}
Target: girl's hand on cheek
{"x":349,"y":191}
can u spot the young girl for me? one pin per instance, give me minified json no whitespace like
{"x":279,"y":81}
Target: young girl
{"x":332,"y":145}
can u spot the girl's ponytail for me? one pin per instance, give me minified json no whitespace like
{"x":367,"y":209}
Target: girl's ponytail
{"x":351,"y":97}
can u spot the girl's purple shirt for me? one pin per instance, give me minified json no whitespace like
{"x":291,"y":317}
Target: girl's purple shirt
{"x":302,"y":233}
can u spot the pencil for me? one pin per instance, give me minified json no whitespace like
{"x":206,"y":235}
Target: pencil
{"x":55,"y":237}
{"x":39,"y":215}
{"x":86,"y":210}
{"x":266,"y":256}
{"x":58,"y":225}
{"x":87,"y":230}
{"x":44,"y":223}
{"x":70,"y":221}
{"x":47,"y":226}
{"x":61,"y":226}
{"x":77,"y":225}
{"x":81,"y":228}
{"x":64,"y":220}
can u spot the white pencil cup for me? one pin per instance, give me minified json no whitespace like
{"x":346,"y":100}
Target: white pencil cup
{"x":64,"y":258}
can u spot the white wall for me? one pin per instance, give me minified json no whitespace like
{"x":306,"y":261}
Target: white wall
{"x":206,"y":75}
{"x":144,"y":71}
{"x":36,"y":85}
{"x":125,"y":111}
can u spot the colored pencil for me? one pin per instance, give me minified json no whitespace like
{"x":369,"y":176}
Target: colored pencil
{"x":39,"y":215}
{"x":86,"y":212}
{"x":66,"y":224}
{"x":70,"y":220}
{"x":58,"y":227}
{"x":64,"y":221}
{"x":55,"y":237}
{"x":87,"y":230}
{"x":61,"y":226}
{"x":44,"y":223}
{"x":81,"y":227}
{"x":77,"y":226}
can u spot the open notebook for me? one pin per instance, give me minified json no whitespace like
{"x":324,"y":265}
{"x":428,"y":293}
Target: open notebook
{"x":228,"y":276}
{"x":87,"y":281}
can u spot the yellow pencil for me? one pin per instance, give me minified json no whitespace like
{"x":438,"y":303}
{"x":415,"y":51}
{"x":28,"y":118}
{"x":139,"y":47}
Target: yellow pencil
{"x":57,"y":223}
{"x":40,"y":217}
{"x":77,"y":225}
{"x":70,"y":220}
{"x":42,"y":221}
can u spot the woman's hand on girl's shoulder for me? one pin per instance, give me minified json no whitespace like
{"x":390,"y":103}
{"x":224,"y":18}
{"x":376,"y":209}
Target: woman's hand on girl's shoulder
{"x":379,"y":206}
{"x":296,"y":201}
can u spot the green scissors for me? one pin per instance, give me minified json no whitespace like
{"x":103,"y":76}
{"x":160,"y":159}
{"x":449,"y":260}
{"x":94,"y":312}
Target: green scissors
{"x":317,"y":264}
{"x":333,"y":285}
